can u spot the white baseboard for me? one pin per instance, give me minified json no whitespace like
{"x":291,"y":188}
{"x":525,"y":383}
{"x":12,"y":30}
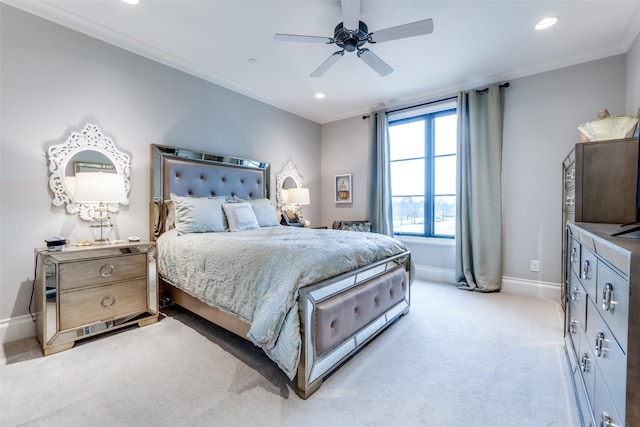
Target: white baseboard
{"x":435,"y":274}
{"x":17,"y":328}
{"x":545,"y":290}
{"x":512,"y":285}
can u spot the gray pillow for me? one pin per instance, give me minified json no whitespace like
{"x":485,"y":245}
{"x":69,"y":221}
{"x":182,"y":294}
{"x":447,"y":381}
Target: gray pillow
{"x":265,"y":213}
{"x":240,"y":216}
{"x":199,"y":214}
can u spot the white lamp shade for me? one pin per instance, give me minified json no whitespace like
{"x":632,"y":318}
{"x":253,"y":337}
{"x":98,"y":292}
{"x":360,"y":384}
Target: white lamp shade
{"x":298,"y":196}
{"x":99,"y":187}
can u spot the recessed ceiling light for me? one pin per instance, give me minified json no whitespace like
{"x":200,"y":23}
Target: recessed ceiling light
{"x":131,"y":1}
{"x":546,"y":23}
{"x":252,"y":60}
{"x":319,"y":95}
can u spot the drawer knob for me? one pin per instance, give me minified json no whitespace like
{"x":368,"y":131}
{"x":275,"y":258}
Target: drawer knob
{"x":107,"y":270}
{"x":599,"y":343}
{"x":574,"y":252}
{"x":570,"y":175}
{"x":586,"y":273}
{"x":572,"y":326}
{"x":584,"y":362}
{"x":607,"y":295}
{"x":605,"y":420}
{"x":575,"y":294}
{"x":108,"y":301}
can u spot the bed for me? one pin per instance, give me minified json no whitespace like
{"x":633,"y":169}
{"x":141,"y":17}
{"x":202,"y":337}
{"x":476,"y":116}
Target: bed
{"x":309,"y":298}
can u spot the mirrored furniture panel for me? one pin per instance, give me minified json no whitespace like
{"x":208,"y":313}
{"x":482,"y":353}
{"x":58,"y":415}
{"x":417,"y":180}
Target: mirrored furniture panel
{"x":85,"y":291}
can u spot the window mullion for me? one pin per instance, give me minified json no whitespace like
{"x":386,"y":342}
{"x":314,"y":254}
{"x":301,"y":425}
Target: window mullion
{"x":428,"y":177}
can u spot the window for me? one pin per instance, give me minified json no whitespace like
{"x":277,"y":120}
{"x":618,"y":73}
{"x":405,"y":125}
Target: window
{"x":423,"y":173}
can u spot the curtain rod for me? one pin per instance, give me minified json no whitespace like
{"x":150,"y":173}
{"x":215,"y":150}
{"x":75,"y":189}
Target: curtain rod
{"x":437,"y":101}
{"x":503,"y":85}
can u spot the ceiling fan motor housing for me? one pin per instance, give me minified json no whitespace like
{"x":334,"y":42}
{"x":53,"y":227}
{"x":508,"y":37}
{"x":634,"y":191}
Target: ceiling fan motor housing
{"x":351,"y":40}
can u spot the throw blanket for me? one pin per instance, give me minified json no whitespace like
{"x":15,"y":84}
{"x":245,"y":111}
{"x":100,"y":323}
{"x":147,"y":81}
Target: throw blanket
{"x":255,"y":274}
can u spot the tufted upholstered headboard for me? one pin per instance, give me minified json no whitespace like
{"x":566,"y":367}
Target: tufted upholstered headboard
{"x":192,"y":173}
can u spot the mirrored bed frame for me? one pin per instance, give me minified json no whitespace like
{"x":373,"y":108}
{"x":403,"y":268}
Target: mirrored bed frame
{"x":363,"y":302}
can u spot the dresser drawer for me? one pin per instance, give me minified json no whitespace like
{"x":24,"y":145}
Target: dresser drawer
{"x":569,"y":174}
{"x":612,"y":301}
{"x":572,"y":335}
{"x":104,"y":270}
{"x":570,"y":202}
{"x":586,"y":363}
{"x":603,"y":407}
{"x":571,"y":342}
{"x":585,"y":405}
{"x":578,"y":298}
{"x":609,"y":358}
{"x":588,"y":270}
{"x":574,"y":256}
{"x":102,"y":303}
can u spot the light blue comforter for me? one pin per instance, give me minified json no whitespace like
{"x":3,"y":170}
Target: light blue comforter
{"x":256,"y":274}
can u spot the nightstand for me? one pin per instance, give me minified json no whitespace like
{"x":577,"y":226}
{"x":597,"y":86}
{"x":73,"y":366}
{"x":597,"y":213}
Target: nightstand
{"x":85,"y":291}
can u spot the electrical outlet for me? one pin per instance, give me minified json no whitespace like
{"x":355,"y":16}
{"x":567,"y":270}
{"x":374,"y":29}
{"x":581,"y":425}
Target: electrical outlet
{"x":535,"y":265}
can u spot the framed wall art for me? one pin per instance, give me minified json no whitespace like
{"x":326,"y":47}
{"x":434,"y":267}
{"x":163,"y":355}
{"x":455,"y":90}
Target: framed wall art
{"x":342,"y":185}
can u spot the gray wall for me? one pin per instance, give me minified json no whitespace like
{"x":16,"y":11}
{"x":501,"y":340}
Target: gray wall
{"x":345,"y":150}
{"x":54,"y":80}
{"x":541,"y":115}
{"x":633,"y":77}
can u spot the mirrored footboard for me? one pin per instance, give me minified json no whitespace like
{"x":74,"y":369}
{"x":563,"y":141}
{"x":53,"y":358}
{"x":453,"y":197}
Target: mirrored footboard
{"x":339,"y":316}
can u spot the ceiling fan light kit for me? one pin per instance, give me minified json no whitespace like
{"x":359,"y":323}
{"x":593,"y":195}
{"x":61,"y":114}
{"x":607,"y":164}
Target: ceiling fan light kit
{"x":352,"y":40}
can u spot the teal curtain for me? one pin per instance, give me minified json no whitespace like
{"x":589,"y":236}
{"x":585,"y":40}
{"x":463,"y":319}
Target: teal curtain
{"x":380,"y":213}
{"x":479,"y":190}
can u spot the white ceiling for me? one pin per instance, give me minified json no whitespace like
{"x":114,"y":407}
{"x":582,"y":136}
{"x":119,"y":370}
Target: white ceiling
{"x":474,"y":43}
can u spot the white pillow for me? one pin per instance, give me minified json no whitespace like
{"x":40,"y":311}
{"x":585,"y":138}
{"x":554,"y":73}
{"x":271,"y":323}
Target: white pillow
{"x":199,"y":214}
{"x":240,"y":216}
{"x":265,"y":213}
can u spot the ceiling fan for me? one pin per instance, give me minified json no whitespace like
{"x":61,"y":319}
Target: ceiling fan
{"x":351,"y":34}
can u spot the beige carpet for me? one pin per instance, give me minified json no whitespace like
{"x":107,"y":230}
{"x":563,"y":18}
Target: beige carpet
{"x":458,"y":359}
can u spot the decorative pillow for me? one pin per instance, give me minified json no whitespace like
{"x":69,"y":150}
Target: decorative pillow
{"x":199,"y":214}
{"x":265,"y":213}
{"x":240,"y":216}
{"x":364,"y":226}
{"x":170,"y":221}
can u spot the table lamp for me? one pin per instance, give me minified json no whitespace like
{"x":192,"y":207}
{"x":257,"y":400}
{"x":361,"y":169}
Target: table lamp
{"x":298,"y":197}
{"x":99,"y":188}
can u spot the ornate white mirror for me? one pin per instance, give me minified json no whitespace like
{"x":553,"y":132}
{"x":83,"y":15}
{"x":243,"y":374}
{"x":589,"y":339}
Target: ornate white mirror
{"x":288,"y":178}
{"x":85,"y":151}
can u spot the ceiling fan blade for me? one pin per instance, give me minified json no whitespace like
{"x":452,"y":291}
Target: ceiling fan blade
{"x":374,"y":61}
{"x":299,"y":38}
{"x":327,"y":64}
{"x":350,"y":14}
{"x":404,"y":31}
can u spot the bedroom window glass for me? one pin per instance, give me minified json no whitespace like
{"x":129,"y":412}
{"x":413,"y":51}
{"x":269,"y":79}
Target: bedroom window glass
{"x":423,"y":173}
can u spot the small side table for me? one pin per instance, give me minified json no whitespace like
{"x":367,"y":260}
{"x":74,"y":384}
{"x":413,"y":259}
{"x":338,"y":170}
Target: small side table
{"x":85,"y":291}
